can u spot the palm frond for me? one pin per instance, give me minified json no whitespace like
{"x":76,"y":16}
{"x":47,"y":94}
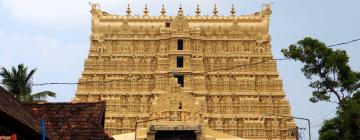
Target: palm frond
{"x":29,"y":76}
{"x":42,"y":95}
{"x":10,"y":83}
{"x":17,"y":81}
{"x":5,"y":74}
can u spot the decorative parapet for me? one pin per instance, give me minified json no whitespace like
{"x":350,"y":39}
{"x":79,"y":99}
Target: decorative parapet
{"x":225,"y":78}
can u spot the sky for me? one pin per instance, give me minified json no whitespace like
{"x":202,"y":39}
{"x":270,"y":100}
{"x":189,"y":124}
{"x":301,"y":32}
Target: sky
{"x":53,"y":37}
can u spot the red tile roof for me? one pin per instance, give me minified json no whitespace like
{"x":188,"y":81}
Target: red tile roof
{"x":71,"y":120}
{"x":12,"y":108}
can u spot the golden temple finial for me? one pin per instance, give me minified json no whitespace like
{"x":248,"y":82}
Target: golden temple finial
{"x":215,"y":11}
{"x":180,"y":12}
{"x":146,"y":11}
{"x":128,"y":11}
{"x":163,"y":10}
{"x":197,"y":10}
{"x":267,"y":10}
{"x":233,"y":12}
{"x":95,"y":8}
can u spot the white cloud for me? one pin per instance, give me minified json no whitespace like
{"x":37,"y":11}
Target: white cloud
{"x":48,"y":11}
{"x":65,"y":13}
{"x":56,"y":60}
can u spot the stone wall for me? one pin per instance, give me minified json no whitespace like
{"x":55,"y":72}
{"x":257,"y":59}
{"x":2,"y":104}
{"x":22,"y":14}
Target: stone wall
{"x":230,"y":79}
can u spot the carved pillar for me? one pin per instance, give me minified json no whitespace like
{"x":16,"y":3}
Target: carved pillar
{"x":150,"y":135}
{"x":198,"y":135}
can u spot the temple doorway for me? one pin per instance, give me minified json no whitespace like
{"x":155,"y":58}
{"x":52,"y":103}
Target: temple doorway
{"x":175,"y":135}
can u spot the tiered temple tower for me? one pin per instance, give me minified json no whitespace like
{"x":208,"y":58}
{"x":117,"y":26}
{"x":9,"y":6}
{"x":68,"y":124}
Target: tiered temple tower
{"x":214,"y":70}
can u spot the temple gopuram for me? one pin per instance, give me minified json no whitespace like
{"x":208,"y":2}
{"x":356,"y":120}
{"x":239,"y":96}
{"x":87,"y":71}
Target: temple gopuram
{"x":215,"y":73}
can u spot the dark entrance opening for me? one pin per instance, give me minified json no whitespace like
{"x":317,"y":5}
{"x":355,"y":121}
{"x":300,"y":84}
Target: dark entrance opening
{"x":167,"y":24}
{"x":179,"y":61}
{"x":175,"y":135}
{"x":180,"y":79}
{"x":180,"y":44}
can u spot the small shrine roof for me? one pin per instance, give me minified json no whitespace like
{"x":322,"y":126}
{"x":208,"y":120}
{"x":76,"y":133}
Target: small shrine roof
{"x":71,"y":120}
{"x":12,"y":108}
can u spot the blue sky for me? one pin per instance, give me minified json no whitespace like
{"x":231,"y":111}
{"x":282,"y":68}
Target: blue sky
{"x":53,"y":36}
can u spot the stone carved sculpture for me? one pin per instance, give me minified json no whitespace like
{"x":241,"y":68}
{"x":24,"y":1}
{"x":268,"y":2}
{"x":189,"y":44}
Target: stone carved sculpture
{"x":132,"y":58}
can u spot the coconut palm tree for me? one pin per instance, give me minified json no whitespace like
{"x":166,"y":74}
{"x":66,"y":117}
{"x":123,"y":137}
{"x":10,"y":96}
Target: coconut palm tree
{"x":18,"y":82}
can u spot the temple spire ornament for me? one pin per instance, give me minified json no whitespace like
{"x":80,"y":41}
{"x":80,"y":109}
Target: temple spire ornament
{"x":180,"y":12}
{"x":146,"y":11}
{"x":128,"y":11}
{"x":197,"y":10}
{"x":163,"y":11}
{"x":215,"y":11}
{"x":233,"y":12}
{"x":163,"y":65}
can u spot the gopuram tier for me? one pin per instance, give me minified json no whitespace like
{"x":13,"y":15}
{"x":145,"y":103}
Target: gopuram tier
{"x":217,"y":71}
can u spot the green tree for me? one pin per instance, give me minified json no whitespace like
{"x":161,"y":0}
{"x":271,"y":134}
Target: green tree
{"x":19,"y":83}
{"x":328,"y":70}
{"x":331,"y":77}
{"x":330,"y":130}
{"x":346,"y":125}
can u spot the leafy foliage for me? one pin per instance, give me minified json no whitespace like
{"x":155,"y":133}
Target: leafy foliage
{"x":330,"y":76}
{"x":346,"y":125}
{"x":19,"y":82}
{"x":327,"y":68}
{"x":329,"y":130}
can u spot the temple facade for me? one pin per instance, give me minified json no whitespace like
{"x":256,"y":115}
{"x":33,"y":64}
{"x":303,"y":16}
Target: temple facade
{"x":215,"y":71}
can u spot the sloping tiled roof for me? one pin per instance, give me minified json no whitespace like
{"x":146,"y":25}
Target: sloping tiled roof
{"x":81,"y":121}
{"x":12,"y":108}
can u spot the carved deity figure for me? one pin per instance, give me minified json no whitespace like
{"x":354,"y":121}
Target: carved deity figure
{"x":187,"y":81}
{"x":233,"y":123}
{"x":218,"y":123}
{"x":131,"y":61}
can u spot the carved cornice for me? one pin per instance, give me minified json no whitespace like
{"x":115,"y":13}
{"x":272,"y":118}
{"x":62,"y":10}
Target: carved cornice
{"x":132,"y":60}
